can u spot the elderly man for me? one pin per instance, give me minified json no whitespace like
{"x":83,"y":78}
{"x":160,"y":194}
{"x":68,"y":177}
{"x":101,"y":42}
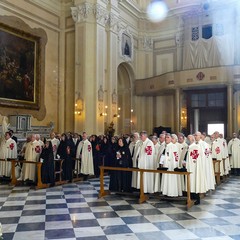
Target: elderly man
{"x":84,"y":152}
{"x":8,"y":149}
{"x":194,"y":164}
{"x":171,"y":184}
{"x":55,"y":143}
{"x":134,"y":150}
{"x":32,"y":153}
{"x":234,"y":154}
{"x":146,"y":161}
{"x":208,"y":168}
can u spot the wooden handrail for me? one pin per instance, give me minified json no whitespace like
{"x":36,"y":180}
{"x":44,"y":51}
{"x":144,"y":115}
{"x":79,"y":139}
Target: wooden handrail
{"x":143,"y":197}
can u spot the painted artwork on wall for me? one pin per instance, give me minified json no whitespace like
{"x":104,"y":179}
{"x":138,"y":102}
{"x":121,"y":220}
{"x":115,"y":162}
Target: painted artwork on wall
{"x":19,"y":68}
{"x":126,"y":45}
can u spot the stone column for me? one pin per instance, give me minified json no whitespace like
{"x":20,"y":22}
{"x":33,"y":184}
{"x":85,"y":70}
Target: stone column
{"x":196,"y":120}
{"x":229,"y":110}
{"x":177,"y":110}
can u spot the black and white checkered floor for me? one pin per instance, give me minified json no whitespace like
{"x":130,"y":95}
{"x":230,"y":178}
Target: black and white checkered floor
{"x":73,"y":211}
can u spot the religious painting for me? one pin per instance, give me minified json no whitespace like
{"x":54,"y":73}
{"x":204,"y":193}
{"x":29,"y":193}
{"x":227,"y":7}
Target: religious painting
{"x":126,"y":45}
{"x":19,"y":68}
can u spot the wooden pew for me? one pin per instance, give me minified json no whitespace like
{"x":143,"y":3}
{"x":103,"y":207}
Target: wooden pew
{"x":143,"y":197}
{"x":216,"y":166}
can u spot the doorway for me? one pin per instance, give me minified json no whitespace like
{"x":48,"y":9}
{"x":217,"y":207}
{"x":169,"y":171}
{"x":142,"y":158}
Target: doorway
{"x":124,"y":92}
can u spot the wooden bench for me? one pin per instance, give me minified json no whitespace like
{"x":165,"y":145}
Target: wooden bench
{"x":216,"y":166}
{"x":143,"y":197}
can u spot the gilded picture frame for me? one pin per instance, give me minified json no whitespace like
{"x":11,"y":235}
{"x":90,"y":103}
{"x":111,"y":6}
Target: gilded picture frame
{"x":20,"y":64}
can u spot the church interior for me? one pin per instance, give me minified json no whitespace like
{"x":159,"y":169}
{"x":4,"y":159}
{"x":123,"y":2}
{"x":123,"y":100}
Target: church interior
{"x":96,"y":66}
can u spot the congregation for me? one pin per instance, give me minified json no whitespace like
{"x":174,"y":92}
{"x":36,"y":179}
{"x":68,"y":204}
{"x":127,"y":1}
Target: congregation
{"x":171,"y":152}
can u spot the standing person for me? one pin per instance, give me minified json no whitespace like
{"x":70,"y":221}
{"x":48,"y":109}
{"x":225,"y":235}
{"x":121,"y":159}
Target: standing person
{"x":38,"y":139}
{"x":134,"y":150}
{"x":208,"y":169}
{"x":157,"y":180}
{"x":218,"y":152}
{"x":47,"y":159}
{"x":146,"y":161}
{"x":170,"y":185}
{"x":121,"y":180}
{"x":84,"y":152}
{"x":55,"y":143}
{"x":65,"y":152}
{"x":104,"y":151}
{"x":32,"y":153}
{"x":96,"y":154}
{"x":195,"y":165}
{"x":234,"y":154}
{"x":8,"y":149}
{"x":12,"y":136}
{"x":225,"y":147}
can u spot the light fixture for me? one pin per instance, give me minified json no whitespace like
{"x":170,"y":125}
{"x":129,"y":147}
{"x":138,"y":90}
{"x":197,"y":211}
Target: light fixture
{"x":157,"y":11}
{"x":116,"y":115}
{"x":78,"y":104}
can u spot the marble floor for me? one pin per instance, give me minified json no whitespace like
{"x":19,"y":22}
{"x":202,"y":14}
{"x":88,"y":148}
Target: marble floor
{"x":73,"y":211}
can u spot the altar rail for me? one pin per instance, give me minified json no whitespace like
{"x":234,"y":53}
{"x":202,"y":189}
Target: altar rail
{"x":143,"y":197}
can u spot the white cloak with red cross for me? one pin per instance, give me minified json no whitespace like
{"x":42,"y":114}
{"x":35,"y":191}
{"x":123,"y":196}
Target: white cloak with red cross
{"x":84,"y":151}
{"x":55,"y":143}
{"x":32,"y":153}
{"x":8,"y":149}
{"x":194,"y":164}
{"x":146,"y":161}
{"x":171,"y":184}
{"x":219,"y":153}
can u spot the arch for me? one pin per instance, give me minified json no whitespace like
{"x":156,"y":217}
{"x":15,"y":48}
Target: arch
{"x":125,"y":93}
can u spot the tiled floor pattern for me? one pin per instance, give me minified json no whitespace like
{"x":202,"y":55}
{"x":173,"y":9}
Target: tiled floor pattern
{"x":73,"y":211}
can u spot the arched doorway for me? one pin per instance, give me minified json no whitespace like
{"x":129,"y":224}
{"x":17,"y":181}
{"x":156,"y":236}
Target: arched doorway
{"x":124,"y":91}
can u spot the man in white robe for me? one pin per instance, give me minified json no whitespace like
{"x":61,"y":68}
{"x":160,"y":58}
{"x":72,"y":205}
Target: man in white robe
{"x":55,"y":143}
{"x":171,"y":184}
{"x":146,"y":161}
{"x":32,"y":153}
{"x":8,"y":149}
{"x":157,"y":179}
{"x":234,"y":154}
{"x":218,"y":152}
{"x":194,"y":164}
{"x":84,"y":152}
{"x":208,"y":168}
{"x":134,"y":150}
{"x":38,"y":139}
{"x":225,"y":147}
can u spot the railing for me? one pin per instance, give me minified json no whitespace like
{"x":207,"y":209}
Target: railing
{"x":143,"y":197}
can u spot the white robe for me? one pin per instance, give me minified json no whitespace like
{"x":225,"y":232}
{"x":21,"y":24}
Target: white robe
{"x":227,"y":161}
{"x":85,"y":149}
{"x":234,"y":152}
{"x":171,"y":184}
{"x":8,"y":149}
{"x":136,"y":145}
{"x":55,"y":144}
{"x":218,"y":153}
{"x":157,"y":179}
{"x":208,"y":168}
{"x":194,"y":165}
{"x":32,"y":153}
{"x":146,"y":161}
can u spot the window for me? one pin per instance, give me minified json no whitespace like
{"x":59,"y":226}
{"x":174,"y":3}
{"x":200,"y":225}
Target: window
{"x":198,"y":100}
{"x":195,"y":33}
{"x":216,"y":99}
{"x":207,"y":31}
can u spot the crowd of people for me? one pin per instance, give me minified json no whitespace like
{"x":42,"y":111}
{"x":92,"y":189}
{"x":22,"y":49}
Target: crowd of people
{"x":82,"y":155}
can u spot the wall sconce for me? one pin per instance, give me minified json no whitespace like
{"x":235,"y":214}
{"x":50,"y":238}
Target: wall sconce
{"x":78,"y":105}
{"x":116,"y":115}
{"x":184,"y":115}
{"x":103,"y":114}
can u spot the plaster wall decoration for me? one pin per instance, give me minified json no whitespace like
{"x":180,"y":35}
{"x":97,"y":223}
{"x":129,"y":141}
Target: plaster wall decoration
{"x":82,"y":12}
{"x":126,"y":45}
{"x":112,"y":21}
{"x":114,"y":97}
{"x":101,"y":14}
{"x":147,"y":43}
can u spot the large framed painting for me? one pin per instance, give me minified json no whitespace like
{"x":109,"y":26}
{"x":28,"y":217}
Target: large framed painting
{"x":20,"y":64}
{"x":126,"y":45}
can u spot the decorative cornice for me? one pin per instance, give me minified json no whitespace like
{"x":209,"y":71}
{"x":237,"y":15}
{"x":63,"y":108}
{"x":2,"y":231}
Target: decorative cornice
{"x":104,"y":17}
